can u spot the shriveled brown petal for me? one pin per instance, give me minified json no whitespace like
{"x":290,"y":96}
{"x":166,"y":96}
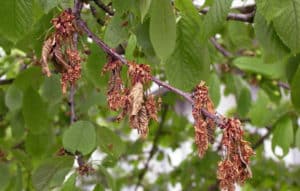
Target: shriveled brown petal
{"x":46,"y":50}
{"x":140,"y":122}
{"x":151,"y":107}
{"x":137,"y":98}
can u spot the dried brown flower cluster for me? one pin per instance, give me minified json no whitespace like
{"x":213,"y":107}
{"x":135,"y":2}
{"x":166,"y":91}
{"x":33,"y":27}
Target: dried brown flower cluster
{"x":60,"y":48}
{"x":64,"y":25}
{"x":204,"y":127}
{"x":235,"y":166}
{"x":133,"y":101}
{"x":85,"y":169}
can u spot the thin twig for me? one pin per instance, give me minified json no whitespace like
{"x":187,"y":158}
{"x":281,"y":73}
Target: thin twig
{"x":105,"y":8}
{"x":283,"y":85}
{"x":247,"y":17}
{"x":220,"y":48}
{"x":153,"y":148}
{"x":7,"y":81}
{"x":263,"y":138}
{"x":115,"y":55}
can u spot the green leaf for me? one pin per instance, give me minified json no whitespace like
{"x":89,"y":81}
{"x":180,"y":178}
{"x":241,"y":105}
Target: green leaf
{"x":283,"y":135}
{"x":15,"y":18}
{"x":51,"y":89}
{"x":189,"y":57}
{"x":273,"y":47}
{"x":92,"y":69}
{"x":70,"y":184}
{"x":215,"y":18}
{"x":244,"y":102}
{"x":162,"y":28}
{"x":287,"y":25}
{"x":43,"y":175}
{"x":4,"y":176}
{"x":47,"y":5}
{"x":105,"y":180}
{"x":143,"y":39}
{"x":39,"y":144}
{"x":115,"y":33}
{"x":109,"y":142}
{"x":17,"y":124}
{"x":31,"y":77}
{"x":214,"y":89}
{"x":256,"y":65}
{"x":131,"y":47}
{"x":81,"y":137}
{"x":144,"y":8}
{"x":295,"y":90}
{"x":239,"y":35}
{"x":260,"y":109}
{"x":35,"y":112}
{"x":297,"y":137}
{"x":13,"y":98}
{"x":271,"y":8}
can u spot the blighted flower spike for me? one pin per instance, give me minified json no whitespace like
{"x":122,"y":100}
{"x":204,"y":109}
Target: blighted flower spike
{"x":204,"y":127}
{"x":139,"y":107}
{"x":235,"y":167}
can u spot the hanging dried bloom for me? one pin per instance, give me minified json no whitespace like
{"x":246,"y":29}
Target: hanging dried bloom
{"x":73,"y":73}
{"x":140,"y":122}
{"x":116,"y":94}
{"x":152,"y":107}
{"x":139,"y":73}
{"x":137,"y":98}
{"x":85,"y":169}
{"x":64,"y":25}
{"x":46,"y":52}
{"x":235,"y":168}
{"x":204,"y":127}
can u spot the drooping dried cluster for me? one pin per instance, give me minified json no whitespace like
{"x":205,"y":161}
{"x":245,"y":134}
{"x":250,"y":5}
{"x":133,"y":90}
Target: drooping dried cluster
{"x":204,"y":127}
{"x":61,"y":50}
{"x":132,"y":100}
{"x":235,"y":166}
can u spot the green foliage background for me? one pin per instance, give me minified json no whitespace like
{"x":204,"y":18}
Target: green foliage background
{"x":175,"y":40}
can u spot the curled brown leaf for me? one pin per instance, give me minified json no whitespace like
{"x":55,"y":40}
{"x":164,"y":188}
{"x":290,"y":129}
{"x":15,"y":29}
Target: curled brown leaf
{"x":137,"y":98}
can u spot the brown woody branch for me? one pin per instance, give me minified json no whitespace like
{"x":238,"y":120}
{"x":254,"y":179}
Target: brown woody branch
{"x":117,"y":56}
{"x":220,"y":48}
{"x":247,"y":17}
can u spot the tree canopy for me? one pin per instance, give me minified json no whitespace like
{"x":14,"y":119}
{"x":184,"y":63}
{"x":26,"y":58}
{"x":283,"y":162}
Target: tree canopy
{"x":124,"y":95}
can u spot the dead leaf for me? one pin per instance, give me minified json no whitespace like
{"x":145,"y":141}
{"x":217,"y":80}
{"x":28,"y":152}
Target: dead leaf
{"x":137,"y":98}
{"x":46,"y":51}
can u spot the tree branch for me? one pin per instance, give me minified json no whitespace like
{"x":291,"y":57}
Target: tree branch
{"x":247,"y":17}
{"x":105,"y":8}
{"x":220,"y":48}
{"x":117,"y":56}
{"x":7,"y":81}
{"x":153,"y":148}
